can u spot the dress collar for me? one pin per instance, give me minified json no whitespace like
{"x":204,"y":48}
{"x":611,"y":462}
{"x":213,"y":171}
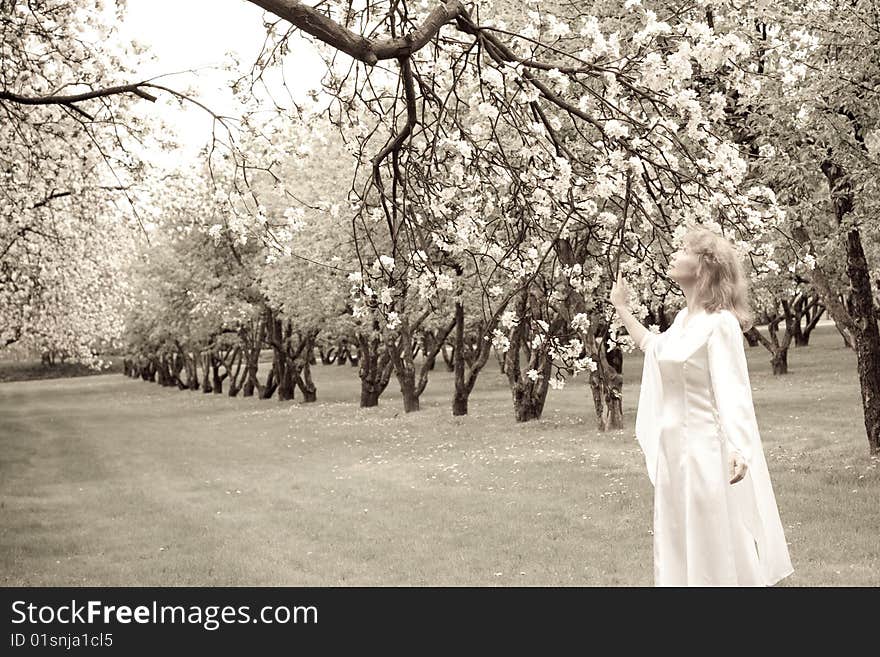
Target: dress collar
{"x":686,"y":313}
{"x":689,"y":337}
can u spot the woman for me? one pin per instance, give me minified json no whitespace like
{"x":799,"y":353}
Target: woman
{"x":715,"y":517}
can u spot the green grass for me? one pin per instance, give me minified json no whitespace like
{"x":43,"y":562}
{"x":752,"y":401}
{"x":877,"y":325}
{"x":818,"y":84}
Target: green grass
{"x":109,"y":481}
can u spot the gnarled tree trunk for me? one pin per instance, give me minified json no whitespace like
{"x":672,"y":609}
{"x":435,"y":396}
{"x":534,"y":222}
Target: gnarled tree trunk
{"x":807,"y":310}
{"x":374,"y":366}
{"x":253,"y":346}
{"x":468,"y":360}
{"x":529,"y":392}
{"x":862,"y":311}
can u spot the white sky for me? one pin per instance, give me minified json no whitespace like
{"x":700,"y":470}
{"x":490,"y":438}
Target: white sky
{"x":195,"y":34}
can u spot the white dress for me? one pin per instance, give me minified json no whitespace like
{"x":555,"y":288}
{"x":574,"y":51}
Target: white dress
{"x":695,"y":406}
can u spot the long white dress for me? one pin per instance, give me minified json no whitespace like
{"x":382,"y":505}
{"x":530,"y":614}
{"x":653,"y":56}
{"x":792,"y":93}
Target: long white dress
{"x":695,"y":406}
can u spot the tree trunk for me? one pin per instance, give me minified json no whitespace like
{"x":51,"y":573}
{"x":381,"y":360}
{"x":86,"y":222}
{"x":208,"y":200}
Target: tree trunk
{"x":252,"y":356}
{"x":460,"y":397}
{"x":606,"y":381}
{"x":286,"y":385}
{"x":528,"y":399}
{"x":502,"y":361}
{"x":304,"y":376}
{"x":403,"y":354}
{"x":369,"y":397}
{"x":161,"y":377}
{"x":606,"y":388}
{"x":192,"y":374}
{"x":528,"y":394}
{"x":402,"y":358}
{"x":250,"y":373}
{"x":407,"y":381}
{"x":807,"y":309}
{"x":206,"y":372}
{"x":779,"y":361}
{"x":849,"y":338}
{"x":778,"y":347}
{"x":459,"y":404}
{"x":526,"y":407}
{"x":867,"y":339}
{"x":863,"y":311}
{"x":343,"y":353}
{"x":596,"y":391}
{"x":179,"y":362}
{"x":448,"y":357}
{"x":216,"y":379}
{"x":468,"y":359}
{"x":233,"y":361}
{"x":271,"y":385}
{"x":282,"y":371}
{"x":150,"y":370}
{"x":374,"y":367}
{"x":328,"y":357}
{"x":752,"y":338}
{"x":614,"y":388}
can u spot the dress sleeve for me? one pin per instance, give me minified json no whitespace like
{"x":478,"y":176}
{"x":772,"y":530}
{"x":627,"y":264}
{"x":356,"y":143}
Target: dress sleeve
{"x":650,"y":408}
{"x":649,"y":413}
{"x":651,"y":340}
{"x":732,"y":390}
{"x":648,"y":340}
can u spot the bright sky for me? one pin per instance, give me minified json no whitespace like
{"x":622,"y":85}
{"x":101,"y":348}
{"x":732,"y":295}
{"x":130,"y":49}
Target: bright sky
{"x":197,"y":34}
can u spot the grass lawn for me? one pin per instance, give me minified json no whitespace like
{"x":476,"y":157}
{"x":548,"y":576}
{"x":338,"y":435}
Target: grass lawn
{"x":27,"y":370}
{"x":109,"y":481}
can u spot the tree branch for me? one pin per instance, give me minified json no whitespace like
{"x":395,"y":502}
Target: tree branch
{"x":395,"y":144}
{"x":76,"y":98}
{"x":320,"y":26}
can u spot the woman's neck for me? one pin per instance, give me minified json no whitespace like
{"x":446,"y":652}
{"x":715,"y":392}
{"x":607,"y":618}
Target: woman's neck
{"x":691,"y":298}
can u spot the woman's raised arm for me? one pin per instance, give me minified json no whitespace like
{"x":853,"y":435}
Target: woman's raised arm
{"x":620,"y":299}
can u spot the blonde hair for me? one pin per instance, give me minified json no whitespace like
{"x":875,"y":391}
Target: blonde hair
{"x":721,"y":281}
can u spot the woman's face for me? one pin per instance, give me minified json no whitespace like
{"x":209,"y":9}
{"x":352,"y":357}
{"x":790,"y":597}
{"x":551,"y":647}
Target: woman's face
{"x":683,"y":266}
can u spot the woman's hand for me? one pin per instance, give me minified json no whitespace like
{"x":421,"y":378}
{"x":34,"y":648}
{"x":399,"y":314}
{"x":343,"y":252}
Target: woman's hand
{"x":738,"y":467}
{"x":620,"y":292}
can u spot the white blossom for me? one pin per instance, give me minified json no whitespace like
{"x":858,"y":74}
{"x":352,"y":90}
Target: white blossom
{"x":615,"y":128}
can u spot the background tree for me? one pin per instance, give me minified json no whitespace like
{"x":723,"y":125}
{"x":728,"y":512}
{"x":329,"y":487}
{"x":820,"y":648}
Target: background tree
{"x":810,"y":116}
